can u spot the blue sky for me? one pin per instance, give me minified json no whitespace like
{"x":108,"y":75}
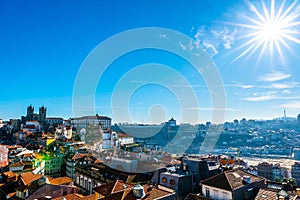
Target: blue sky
{"x":43,"y":44}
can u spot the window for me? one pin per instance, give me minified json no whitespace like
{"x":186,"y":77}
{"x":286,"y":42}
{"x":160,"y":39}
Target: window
{"x":172,"y":182}
{"x":164,"y":180}
{"x":207,"y":192}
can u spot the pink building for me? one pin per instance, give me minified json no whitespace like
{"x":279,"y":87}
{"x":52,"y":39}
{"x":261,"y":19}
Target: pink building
{"x":3,"y":156}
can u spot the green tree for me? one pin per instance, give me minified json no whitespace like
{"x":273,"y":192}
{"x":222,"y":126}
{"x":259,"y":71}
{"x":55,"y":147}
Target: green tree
{"x":277,"y":179}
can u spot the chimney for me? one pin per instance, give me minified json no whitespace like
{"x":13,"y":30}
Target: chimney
{"x":298,"y":192}
{"x":246,"y":180}
{"x":150,"y":188}
{"x":281,"y":198}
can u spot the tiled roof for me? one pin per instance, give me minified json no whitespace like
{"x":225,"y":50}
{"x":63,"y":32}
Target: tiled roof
{"x":195,"y":197}
{"x":61,"y":181}
{"x":266,"y":194}
{"x":9,"y":174}
{"x":230,"y":180}
{"x":70,"y":197}
{"x":112,"y":187}
{"x":29,"y":177}
{"x":150,"y":194}
{"x":90,"y":197}
{"x":123,"y":191}
{"x":79,"y":156}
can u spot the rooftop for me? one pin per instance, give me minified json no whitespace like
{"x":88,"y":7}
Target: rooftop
{"x":29,"y":177}
{"x":230,"y":180}
{"x":123,"y":191}
{"x":61,"y":181}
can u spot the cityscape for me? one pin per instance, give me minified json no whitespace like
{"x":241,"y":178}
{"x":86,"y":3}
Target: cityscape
{"x":88,"y":157}
{"x":150,"y":100}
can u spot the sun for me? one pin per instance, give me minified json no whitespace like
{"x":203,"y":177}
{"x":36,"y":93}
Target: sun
{"x":270,"y":30}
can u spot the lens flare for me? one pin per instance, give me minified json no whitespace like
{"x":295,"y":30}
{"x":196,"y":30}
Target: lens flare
{"x":270,"y":29}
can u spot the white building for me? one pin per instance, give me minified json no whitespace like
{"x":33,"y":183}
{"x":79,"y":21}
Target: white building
{"x":233,"y":184}
{"x":83,"y":122}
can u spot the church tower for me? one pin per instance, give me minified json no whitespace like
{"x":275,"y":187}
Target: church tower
{"x":30,"y":110}
{"x":42,"y":114}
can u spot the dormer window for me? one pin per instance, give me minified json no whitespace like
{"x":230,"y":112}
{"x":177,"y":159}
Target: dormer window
{"x":172,"y":182}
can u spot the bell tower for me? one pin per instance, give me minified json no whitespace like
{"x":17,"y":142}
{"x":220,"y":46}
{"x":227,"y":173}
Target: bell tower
{"x":42,"y":114}
{"x":30,"y":110}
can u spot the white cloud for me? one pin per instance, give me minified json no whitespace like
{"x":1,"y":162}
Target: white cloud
{"x":210,"y":48}
{"x":286,"y":92}
{"x":241,"y":85}
{"x":292,"y":105}
{"x":274,"y":76}
{"x":260,"y":98}
{"x":283,"y":85}
{"x":212,"y":39}
{"x":226,"y":36}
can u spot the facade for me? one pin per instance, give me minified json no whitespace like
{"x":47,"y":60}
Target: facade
{"x":265,"y":170}
{"x":15,"y":123}
{"x":234,"y":184}
{"x":83,"y":122}
{"x":55,"y":121}
{"x":53,"y":165}
{"x":78,"y":159}
{"x":296,"y":152}
{"x":3,"y":156}
{"x":181,"y":182}
{"x":17,"y":166}
{"x":296,"y":172}
{"x":276,"y":172}
{"x":107,"y":140}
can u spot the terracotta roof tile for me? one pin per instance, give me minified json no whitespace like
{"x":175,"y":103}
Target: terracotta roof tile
{"x":90,"y":197}
{"x":61,"y":181}
{"x":29,"y":177}
{"x":266,"y":194}
{"x":112,"y":187}
{"x":9,"y":174}
{"x":119,"y":190}
{"x":79,"y":156}
{"x":70,"y":197}
{"x":230,"y":180}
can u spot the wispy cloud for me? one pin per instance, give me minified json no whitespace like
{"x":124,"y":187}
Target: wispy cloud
{"x":273,"y":95}
{"x":285,"y":85}
{"x":260,"y":98}
{"x":211,"y":40}
{"x":240,"y":85}
{"x":274,"y":76}
{"x":226,"y":36}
